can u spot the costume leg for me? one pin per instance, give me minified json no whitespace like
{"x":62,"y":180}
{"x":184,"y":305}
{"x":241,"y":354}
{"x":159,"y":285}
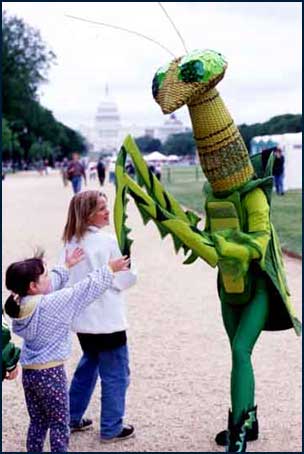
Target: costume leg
{"x":39,"y":423}
{"x":252,"y":318}
{"x":114,"y":372}
{"x":82,"y":385}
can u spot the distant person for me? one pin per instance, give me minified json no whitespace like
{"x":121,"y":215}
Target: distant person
{"x":92,"y":170}
{"x":46,"y":166}
{"x":112,"y":171}
{"x":101,"y":171}
{"x":130,"y":169}
{"x":278,"y":171}
{"x":43,"y":312}
{"x":158,"y":170}
{"x":63,"y":171}
{"x":265,"y":156}
{"x":75,"y":171}
{"x":151,"y":167}
{"x":40,"y":167}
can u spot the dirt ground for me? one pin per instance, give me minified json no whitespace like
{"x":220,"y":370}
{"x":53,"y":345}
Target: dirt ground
{"x":179,"y":354}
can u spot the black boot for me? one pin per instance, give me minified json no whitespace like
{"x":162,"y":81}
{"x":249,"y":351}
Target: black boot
{"x":252,"y":434}
{"x":237,"y":434}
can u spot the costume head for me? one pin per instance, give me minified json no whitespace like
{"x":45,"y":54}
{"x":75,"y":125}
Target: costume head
{"x":191,"y":80}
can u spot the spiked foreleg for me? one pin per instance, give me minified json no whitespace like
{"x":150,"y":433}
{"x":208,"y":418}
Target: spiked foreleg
{"x":182,"y":232}
{"x":154,"y":188}
{"x":120,"y":205}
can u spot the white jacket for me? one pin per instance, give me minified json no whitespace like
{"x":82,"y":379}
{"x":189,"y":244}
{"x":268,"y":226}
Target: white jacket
{"x":107,"y":313}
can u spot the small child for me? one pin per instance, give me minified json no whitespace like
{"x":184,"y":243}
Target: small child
{"x":42,"y":312}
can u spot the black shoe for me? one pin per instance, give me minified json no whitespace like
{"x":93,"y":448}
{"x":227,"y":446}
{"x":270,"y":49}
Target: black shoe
{"x":128,"y":431}
{"x":84,"y":424}
{"x":237,"y":434}
{"x":252,"y":434}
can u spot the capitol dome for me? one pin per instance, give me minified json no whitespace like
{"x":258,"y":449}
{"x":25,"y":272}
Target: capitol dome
{"x":107,"y":125}
{"x":171,"y":126}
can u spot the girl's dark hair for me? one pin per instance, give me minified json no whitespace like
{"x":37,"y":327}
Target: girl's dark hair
{"x":18,"y":277}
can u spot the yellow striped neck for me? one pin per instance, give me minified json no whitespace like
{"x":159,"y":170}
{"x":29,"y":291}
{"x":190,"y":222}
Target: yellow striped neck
{"x":223,"y":154}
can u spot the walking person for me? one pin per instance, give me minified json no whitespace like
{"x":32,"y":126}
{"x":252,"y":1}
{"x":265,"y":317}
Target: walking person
{"x":278,"y":171}
{"x":101,"y":328}
{"x":75,"y":171}
{"x":63,"y":171}
{"x":42,"y":312}
{"x":101,"y":171}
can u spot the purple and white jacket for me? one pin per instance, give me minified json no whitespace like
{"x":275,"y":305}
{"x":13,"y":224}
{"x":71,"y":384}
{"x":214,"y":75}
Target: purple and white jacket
{"x":45,"y":321}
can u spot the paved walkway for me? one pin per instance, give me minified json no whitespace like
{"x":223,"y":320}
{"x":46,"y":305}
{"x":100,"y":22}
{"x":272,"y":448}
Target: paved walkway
{"x":179,"y":395}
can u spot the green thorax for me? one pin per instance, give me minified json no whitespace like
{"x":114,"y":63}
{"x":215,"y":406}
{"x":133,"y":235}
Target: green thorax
{"x":282,"y":314}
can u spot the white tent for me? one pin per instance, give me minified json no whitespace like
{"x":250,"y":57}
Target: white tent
{"x":173,"y":158}
{"x":291,"y":145}
{"x":155,"y":156}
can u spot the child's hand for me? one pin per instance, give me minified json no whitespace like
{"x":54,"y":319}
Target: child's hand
{"x":75,"y":257}
{"x":121,"y":264}
{"x":12,"y":374}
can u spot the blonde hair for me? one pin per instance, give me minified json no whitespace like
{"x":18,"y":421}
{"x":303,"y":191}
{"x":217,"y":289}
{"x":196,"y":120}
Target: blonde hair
{"x":82,"y":206}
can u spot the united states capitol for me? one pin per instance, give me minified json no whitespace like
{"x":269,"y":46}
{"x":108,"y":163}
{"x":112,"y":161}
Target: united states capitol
{"x":107,"y":130}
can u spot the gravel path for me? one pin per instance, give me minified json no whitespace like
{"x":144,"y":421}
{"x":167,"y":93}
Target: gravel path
{"x":180,"y":361}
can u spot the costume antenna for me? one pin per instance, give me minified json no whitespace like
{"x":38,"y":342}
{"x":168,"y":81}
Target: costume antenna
{"x":123,"y":29}
{"x":174,"y":26}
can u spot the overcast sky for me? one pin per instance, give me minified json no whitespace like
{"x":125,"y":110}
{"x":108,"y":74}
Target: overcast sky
{"x":261,"y":42}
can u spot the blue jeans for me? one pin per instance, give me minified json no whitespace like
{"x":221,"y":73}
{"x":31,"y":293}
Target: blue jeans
{"x":76,"y":183}
{"x":278,"y":179}
{"x":113,"y":368}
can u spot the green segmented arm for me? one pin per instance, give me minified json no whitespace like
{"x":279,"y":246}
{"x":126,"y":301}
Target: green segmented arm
{"x":158,"y":205}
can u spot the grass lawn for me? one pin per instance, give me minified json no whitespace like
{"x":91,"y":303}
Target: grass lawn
{"x":186,"y":184}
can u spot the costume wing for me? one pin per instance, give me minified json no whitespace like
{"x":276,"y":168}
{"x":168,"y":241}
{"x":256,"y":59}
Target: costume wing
{"x":160,"y":206}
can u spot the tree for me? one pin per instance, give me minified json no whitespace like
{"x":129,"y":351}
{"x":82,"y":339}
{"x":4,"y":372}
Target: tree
{"x":10,"y":141}
{"x":40,"y":150}
{"x":180,"y":144}
{"x":147,"y":144}
{"x":25,"y":62}
{"x":279,"y":124}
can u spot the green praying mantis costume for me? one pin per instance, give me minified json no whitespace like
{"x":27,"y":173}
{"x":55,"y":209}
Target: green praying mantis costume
{"x":238,"y":237}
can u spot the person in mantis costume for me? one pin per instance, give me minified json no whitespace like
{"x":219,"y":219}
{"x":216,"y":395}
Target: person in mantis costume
{"x":238,"y":236}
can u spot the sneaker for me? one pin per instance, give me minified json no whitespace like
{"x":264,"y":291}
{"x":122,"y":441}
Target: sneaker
{"x":84,"y":424}
{"x":128,"y":431}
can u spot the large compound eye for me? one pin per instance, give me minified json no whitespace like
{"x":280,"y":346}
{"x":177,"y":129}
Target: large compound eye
{"x":155,"y":86}
{"x":201,"y":66}
{"x":158,"y":79}
{"x":193,"y":71}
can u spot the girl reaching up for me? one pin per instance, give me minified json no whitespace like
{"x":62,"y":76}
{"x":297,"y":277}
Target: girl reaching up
{"x":43,"y":312}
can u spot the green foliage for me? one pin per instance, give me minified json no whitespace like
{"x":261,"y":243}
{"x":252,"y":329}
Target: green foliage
{"x":279,"y":124}
{"x":40,"y":150}
{"x":10,"y":141}
{"x":148,"y":144}
{"x":180,"y":144}
{"x":26,"y":60}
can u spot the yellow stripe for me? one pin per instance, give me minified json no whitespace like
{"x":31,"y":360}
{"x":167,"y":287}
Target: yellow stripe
{"x":43,"y":366}
{"x":222,"y":224}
